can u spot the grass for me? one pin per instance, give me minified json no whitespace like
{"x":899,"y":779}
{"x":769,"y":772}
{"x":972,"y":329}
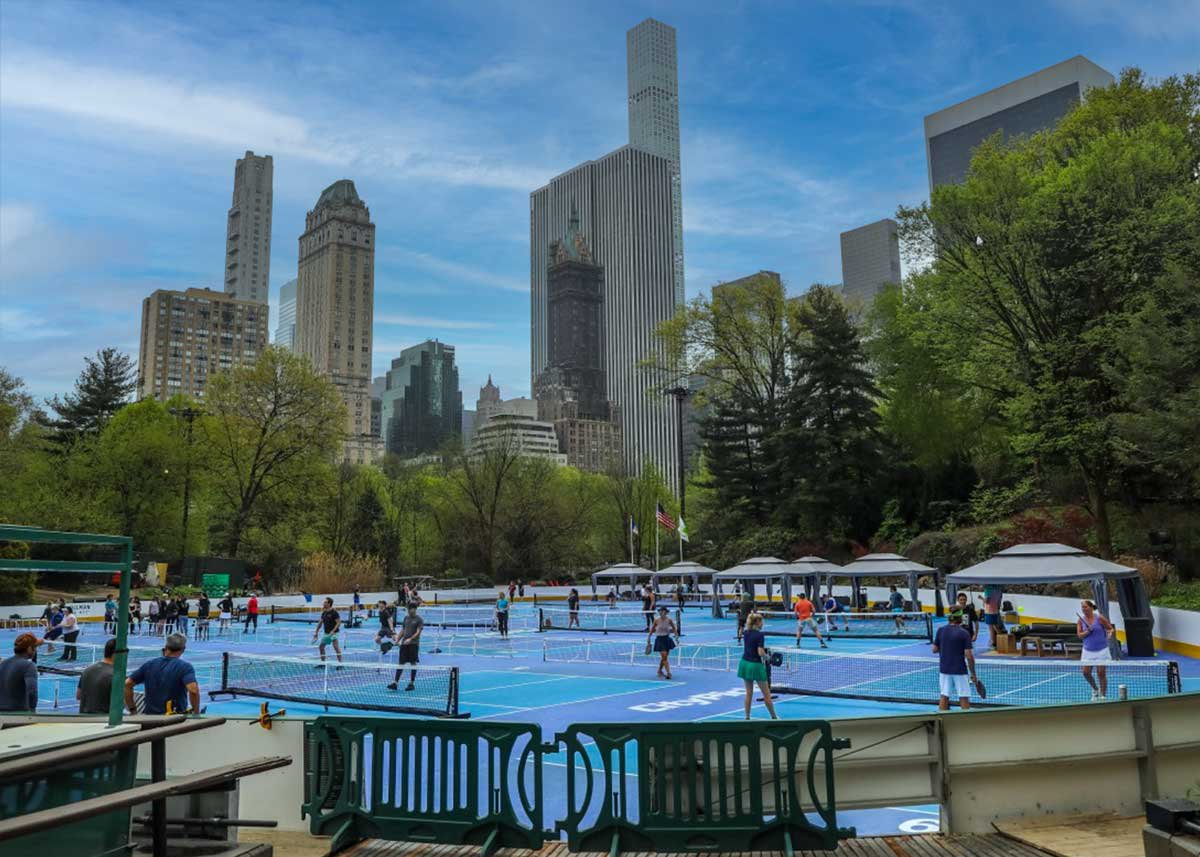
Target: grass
{"x":1184,"y":596}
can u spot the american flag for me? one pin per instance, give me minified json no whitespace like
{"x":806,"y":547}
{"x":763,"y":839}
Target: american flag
{"x":665,"y":519}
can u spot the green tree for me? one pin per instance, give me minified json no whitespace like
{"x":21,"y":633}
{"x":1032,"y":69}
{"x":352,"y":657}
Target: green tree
{"x":828,"y":456}
{"x":271,"y":432}
{"x":102,"y":389}
{"x":1041,"y":255}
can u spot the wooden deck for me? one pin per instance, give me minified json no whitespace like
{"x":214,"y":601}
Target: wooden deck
{"x":990,"y":845}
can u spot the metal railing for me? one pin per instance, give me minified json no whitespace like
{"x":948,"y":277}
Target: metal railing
{"x":700,"y":787}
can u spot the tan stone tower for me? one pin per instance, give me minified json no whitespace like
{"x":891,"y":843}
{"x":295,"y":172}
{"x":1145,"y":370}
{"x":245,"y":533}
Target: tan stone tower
{"x":335,"y":304}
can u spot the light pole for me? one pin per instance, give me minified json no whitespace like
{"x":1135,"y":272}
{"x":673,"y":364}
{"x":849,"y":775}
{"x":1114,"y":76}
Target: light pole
{"x":189,"y":413}
{"x":680,"y":395}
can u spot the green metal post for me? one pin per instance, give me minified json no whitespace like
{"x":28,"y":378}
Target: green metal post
{"x":116,"y":701}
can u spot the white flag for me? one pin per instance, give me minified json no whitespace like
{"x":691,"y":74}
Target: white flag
{"x":682,"y":529}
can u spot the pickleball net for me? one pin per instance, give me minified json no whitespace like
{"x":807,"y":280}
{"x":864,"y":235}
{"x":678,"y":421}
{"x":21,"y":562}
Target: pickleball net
{"x":347,"y":684}
{"x":890,"y":679}
{"x":875,"y":625}
{"x":601,"y":620}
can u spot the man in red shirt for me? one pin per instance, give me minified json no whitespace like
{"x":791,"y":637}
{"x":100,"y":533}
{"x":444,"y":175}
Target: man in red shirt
{"x":251,"y":613}
{"x":804,"y":610}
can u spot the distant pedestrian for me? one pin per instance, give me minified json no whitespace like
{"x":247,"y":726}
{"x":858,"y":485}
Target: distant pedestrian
{"x":135,"y":614}
{"x":203,"y":616}
{"x":520,"y":588}
{"x":1095,"y":630}
{"x":752,"y":668}
{"x":952,"y":645}
{"x":512,"y":590}
{"x":355,"y":605}
{"x":663,"y":632}
{"x":19,"y":676}
{"x":611,"y":598}
{"x":251,"y":614}
{"x":169,"y":682}
{"x":110,"y":615}
{"x":95,"y":684}
{"x":182,"y":608}
{"x":168,"y":614}
{"x":152,"y":615}
{"x":224,"y":613}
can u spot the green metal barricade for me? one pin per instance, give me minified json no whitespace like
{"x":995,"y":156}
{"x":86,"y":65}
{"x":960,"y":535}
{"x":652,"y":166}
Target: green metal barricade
{"x":701,"y":787}
{"x":445,"y":782}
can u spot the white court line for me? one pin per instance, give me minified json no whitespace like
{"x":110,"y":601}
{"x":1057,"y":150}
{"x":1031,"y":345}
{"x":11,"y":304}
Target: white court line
{"x":912,"y":809}
{"x":585,"y":701}
{"x":514,"y":686}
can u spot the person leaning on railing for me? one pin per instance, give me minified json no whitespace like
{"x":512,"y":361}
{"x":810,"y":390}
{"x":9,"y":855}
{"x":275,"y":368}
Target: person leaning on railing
{"x":170,"y":681}
{"x":19,"y":676}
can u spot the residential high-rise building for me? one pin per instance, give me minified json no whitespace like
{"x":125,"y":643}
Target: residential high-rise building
{"x":248,"y":229}
{"x":378,"y":385}
{"x":422,"y":405}
{"x":870,"y":260}
{"x":188,"y":336}
{"x":468,"y":427}
{"x":285,"y":329}
{"x":1033,"y":103}
{"x":571,"y":392}
{"x":489,"y":404}
{"x":335,"y":302}
{"x":628,"y":204}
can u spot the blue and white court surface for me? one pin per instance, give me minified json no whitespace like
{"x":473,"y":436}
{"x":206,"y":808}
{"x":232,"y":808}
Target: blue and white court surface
{"x":873,"y":666}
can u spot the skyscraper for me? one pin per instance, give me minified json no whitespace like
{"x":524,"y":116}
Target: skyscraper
{"x":335,"y":301}
{"x":188,"y":336}
{"x":571,"y":392}
{"x":870,"y":260}
{"x":422,"y":405}
{"x":628,"y":205}
{"x":285,"y":330}
{"x":1033,"y":103}
{"x":652,"y":76}
{"x":248,"y":229}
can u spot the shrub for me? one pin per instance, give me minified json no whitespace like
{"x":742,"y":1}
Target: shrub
{"x":324,"y":572}
{"x":1154,"y":572}
{"x":1072,"y":526}
{"x":16,"y":587}
{"x":997,"y":503}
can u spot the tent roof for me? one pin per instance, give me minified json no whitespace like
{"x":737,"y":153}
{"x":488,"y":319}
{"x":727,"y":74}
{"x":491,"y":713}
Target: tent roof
{"x":623,"y":571}
{"x":686,"y":567}
{"x":815,"y":565}
{"x":1040,"y":563}
{"x":881,"y":565}
{"x":760,"y":568}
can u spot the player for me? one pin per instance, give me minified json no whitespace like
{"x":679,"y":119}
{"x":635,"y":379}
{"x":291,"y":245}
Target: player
{"x":611,"y":598}
{"x":648,"y":600}
{"x":663,"y":632}
{"x":896,"y":605}
{"x":573,"y":609}
{"x":331,"y":623}
{"x":804,"y":609}
{"x":387,"y":626}
{"x":502,"y":603}
{"x":832,"y":608}
{"x":410,"y":642}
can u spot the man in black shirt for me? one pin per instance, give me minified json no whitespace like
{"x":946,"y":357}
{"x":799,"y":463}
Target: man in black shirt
{"x":410,"y":641}
{"x":203,"y":611}
{"x":19,"y":676}
{"x":573,"y":608}
{"x":331,"y":623}
{"x":648,"y":600}
{"x":969,"y":615}
{"x":95,"y":685}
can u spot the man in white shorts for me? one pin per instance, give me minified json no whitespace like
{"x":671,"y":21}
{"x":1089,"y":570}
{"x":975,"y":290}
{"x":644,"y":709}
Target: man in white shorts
{"x":956,"y":660}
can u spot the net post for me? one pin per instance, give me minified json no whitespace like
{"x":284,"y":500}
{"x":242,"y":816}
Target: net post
{"x":452,"y":702}
{"x":224,"y":670}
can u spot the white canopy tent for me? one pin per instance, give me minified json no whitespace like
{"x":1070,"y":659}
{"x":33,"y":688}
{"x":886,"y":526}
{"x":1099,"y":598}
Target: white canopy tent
{"x":1049,"y":563}
{"x":813,"y":568}
{"x":883,"y":566}
{"x":621,"y":572}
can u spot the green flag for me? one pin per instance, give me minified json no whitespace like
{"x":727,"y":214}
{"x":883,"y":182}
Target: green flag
{"x":682,"y":529}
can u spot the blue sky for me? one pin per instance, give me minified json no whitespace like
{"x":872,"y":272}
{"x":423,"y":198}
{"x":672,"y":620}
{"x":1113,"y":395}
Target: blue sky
{"x":120,"y":124}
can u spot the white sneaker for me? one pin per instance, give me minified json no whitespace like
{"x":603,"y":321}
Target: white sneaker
{"x":1095,"y":695}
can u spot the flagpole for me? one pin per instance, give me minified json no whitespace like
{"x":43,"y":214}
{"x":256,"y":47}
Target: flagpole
{"x":679,"y":535}
{"x":656,"y":528}
{"x":629,"y":527}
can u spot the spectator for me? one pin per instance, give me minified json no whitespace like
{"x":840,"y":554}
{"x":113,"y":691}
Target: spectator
{"x":95,"y":685}
{"x":952,"y":645}
{"x":168,"y":614}
{"x":225,"y":606}
{"x":70,"y":626}
{"x":520,"y":588}
{"x":169,"y":682}
{"x":251,"y":614}
{"x":970,"y":615}
{"x":19,"y":676}
{"x":152,"y":615}
{"x":135,"y":614}
{"x":993,"y":595}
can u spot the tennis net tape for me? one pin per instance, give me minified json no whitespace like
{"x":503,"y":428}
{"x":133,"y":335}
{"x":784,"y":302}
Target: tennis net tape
{"x":603,"y":620}
{"x":894,"y":626}
{"x":891,"y":679}
{"x":347,"y":684}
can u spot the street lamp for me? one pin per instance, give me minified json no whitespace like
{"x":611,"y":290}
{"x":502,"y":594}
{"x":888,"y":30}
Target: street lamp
{"x":189,"y":413}
{"x":680,"y":395}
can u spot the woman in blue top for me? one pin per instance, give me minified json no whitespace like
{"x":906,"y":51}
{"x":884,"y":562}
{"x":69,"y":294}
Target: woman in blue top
{"x":1095,"y":631}
{"x":752,"y":668}
{"x":502,"y":614}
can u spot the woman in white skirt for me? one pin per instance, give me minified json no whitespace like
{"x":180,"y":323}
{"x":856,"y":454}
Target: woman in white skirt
{"x":1095,"y":631}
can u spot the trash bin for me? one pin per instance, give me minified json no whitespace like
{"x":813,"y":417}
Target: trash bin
{"x":1139,"y":637}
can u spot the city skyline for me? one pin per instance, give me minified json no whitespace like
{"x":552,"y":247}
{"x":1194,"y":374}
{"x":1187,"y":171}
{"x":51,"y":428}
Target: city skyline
{"x":120,"y":129}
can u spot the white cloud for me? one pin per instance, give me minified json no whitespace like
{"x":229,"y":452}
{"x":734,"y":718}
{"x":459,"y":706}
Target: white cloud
{"x":457,"y":270}
{"x":1170,"y":20}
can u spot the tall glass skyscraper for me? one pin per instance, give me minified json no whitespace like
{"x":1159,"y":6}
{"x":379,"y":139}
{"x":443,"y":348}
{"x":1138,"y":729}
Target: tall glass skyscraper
{"x":285,"y":331}
{"x":628,"y":205}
